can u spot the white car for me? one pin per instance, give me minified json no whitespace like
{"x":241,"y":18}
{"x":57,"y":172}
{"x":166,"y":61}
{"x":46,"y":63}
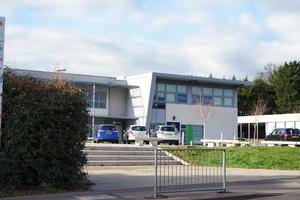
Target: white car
{"x":134,"y":131}
{"x":167,"y":134}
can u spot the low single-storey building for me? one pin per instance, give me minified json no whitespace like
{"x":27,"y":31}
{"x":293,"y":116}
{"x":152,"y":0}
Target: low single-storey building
{"x":266,"y":124}
{"x":159,"y":98}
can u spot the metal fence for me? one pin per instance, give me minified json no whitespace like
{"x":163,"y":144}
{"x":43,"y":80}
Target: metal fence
{"x":191,"y":169}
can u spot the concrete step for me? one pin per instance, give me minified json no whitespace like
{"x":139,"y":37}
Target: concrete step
{"x":102,"y":152}
{"x":129,"y":163}
{"x":124,"y":157}
{"x":119,"y":148}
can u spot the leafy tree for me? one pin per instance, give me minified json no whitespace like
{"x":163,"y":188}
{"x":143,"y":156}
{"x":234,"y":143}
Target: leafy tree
{"x":249,"y":95}
{"x":285,"y":81}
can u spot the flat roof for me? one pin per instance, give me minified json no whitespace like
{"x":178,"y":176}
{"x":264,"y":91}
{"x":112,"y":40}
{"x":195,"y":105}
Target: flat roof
{"x":290,"y":117}
{"x":78,"y":78}
{"x":191,"y":78}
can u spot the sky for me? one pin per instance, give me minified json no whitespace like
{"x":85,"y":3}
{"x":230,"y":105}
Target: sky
{"x":128,"y":37}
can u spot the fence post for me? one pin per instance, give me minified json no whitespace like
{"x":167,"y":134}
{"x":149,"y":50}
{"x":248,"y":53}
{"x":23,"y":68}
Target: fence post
{"x":155,"y":173}
{"x":224,"y":170}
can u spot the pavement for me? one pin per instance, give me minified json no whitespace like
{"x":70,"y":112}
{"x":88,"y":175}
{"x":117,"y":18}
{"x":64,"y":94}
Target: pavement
{"x":136,"y":183}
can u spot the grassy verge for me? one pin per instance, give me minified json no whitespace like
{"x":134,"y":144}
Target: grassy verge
{"x":283,"y":158}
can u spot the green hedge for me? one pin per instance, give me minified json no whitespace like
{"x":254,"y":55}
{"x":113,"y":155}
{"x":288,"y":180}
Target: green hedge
{"x":43,"y":134}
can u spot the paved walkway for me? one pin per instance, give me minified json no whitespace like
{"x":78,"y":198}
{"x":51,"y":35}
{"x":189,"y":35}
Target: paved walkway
{"x":136,"y":183}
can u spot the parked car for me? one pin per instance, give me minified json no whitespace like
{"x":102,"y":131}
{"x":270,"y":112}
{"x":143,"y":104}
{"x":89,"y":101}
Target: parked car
{"x":167,"y":134}
{"x":134,"y":131}
{"x":106,"y":132}
{"x":284,"y":134}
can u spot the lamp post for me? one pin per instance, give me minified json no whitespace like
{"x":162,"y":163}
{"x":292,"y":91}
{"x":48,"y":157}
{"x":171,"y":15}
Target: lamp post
{"x":60,"y":72}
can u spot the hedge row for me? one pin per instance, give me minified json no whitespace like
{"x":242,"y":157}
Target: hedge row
{"x":43,"y":134}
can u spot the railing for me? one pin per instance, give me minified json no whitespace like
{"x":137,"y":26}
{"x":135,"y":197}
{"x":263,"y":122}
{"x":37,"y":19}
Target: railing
{"x":191,"y":169}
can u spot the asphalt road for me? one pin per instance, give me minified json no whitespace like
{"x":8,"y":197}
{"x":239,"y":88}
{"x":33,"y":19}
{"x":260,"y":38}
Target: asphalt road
{"x":137,"y":183}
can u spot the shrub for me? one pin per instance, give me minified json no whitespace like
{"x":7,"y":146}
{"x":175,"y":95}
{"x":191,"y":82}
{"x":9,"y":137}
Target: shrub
{"x":43,"y":134}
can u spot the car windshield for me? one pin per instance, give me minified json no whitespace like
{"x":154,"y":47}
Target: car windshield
{"x":167,"y":128}
{"x":108,"y":128}
{"x":138,"y":128}
{"x":296,"y":131}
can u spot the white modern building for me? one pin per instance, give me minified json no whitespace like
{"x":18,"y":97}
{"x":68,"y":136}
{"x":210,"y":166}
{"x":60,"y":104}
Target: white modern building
{"x":266,"y":124}
{"x":159,"y":98}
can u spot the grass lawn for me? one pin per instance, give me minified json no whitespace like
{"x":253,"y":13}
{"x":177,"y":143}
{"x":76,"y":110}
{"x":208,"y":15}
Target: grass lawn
{"x":284,"y":158}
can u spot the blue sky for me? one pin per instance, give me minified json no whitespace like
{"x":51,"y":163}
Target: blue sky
{"x":127,"y":37}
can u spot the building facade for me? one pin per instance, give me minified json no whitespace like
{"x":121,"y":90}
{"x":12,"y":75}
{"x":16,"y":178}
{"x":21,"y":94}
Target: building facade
{"x":266,"y":124}
{"x":159,"y":98}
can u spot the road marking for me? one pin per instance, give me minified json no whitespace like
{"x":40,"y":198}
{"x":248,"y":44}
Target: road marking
{"x":96,"y":197}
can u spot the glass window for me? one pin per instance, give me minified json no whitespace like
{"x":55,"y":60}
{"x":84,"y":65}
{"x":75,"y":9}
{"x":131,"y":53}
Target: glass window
{"x":100,"y":100}
{"x":182,"y":89}
{"x":170,"y":97}
{"x":218,"y":92}
{"x":196,"y":90}
{"x":195,"y":99}
{"x":139,"y":128}
{"x":168,"y":128}
{"x":161,"y":87}
{"x":159,"y":106}
{"x":228,"y":102}
{"x":207,"y":91}
{"x":228,"y":93}
{"x":107,"y":128}
{"x":207,"y":100}
{"x":161,"y":96}
{"x":218,"y":101}
{"x":170,"y":88}
{"x":181,"y":98}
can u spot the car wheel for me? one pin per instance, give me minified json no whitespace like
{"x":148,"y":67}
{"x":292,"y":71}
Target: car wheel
{"x":176,"y":142}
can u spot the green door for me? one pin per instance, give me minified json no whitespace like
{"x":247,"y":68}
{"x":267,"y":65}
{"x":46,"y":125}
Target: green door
{"x":189,"y":136}
{"x":194,"y":134}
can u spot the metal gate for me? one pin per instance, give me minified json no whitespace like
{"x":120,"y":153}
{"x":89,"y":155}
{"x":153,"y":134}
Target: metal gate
{"x":190,"y":169}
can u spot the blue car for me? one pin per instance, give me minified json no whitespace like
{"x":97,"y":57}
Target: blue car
{"x":106,"y":132}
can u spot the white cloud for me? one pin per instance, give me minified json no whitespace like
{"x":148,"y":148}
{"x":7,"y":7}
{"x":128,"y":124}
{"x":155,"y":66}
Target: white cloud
{"x":124,"y":37}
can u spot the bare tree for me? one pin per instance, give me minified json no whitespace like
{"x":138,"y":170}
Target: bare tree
{"x":205,"y":111}
{"x":258,"y":109}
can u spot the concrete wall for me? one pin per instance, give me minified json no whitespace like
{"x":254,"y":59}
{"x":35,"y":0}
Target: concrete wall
{"x":117,"y":102}
{"x":223,"y":119}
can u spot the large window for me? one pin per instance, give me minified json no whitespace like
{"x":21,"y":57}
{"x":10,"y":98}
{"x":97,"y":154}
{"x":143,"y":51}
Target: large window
{"x":196,"y":94}
{"x":100,"y":100}
{"x":218,"y":96}
{"x":181,"y":94}
{"x":228,"y":97}
{"x":170,"y":93}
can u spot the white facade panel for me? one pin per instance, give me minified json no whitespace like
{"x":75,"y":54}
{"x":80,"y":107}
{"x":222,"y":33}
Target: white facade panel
{"x":223,"y":120}
{"x":290,"y":125}
{"x":117,"y":102}
{"x":139,"y":107}
{"x":295,"y":117}
{"x":297,"y":125}
{"x":280,"y":125}
{"x":270,"y":127}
